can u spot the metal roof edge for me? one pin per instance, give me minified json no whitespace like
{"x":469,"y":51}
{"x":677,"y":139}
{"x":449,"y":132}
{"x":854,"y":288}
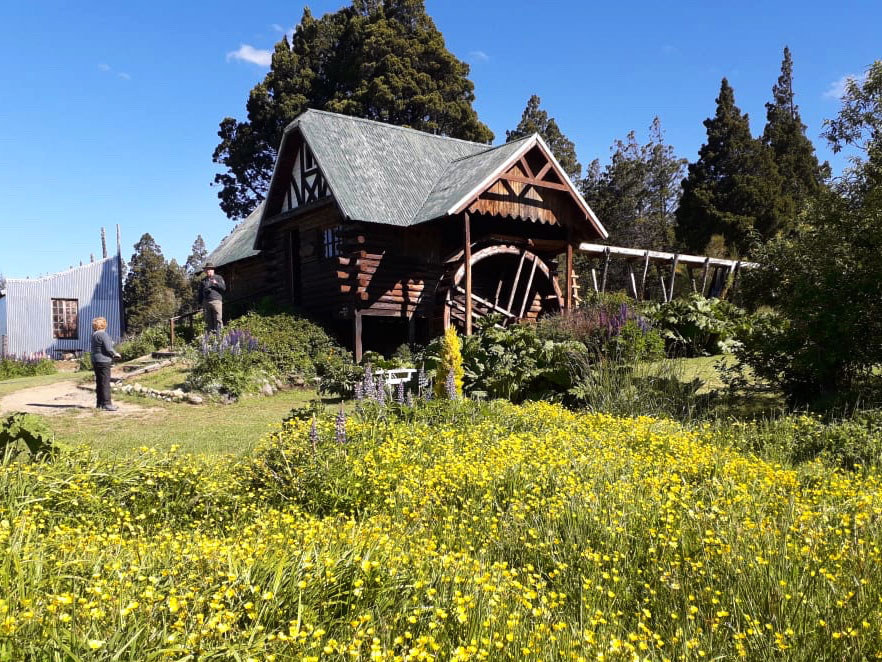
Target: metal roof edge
{"x":62,"y":272}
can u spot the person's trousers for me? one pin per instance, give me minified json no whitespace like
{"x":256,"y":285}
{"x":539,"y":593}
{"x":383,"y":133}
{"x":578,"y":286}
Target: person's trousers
{"x":102,"y":384}
{"x":214,"y":315}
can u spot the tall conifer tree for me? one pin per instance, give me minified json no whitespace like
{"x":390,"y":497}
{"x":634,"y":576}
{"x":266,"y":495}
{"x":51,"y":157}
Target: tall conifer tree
{"x":536,"y":120}
{"x":801,"y":174}
{"x":734,"y":188}
{"x":146,"y":295}
{"x":379,"y":59}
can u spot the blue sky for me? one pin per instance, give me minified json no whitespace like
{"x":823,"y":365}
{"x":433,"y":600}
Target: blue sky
{"x":109,"y":111}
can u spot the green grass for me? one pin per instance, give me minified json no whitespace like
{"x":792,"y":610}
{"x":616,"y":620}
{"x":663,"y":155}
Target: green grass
{"x":209,"y":428}
{"x":166,"y":379}
{"x":8,"y":386}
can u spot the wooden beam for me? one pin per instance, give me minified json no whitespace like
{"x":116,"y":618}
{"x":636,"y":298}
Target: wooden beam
{"x":605,"y":270}
{"x":529,"y":285}
{"x":540,"y":183}
{"x":525,"y":166}
{"x":645,"y":271}
{"x":659,"y":256}
{"x":704,"y":277}
{"x":467,"y":252}
{"x":488,"y":304}
{"x":545,"y":169}
{"x":517,"y":278}
{"x":568,"y":296}
{"x":674,"y":263}
{"x":357,"y":333}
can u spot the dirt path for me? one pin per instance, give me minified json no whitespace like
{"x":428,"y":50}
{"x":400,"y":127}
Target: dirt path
{"x":57,"y":398}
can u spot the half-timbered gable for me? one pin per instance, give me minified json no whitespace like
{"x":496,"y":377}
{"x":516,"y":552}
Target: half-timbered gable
{"x":365,"y":222}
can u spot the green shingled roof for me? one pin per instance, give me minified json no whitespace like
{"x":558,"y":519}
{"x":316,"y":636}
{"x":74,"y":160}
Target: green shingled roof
{"x":378,"y":172}
{"x":239,"y":244}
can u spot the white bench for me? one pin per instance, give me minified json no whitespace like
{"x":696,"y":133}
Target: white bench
{"x":395,"y":376}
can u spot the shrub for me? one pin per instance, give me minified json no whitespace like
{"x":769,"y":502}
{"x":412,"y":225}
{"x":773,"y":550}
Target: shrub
{"x":28,"y":429}
{"x":232,"y":364}
{"x":26,"y":366}
{"x":299,"y":348}
{"x":696,"y":326}
{"x":151,"y":339}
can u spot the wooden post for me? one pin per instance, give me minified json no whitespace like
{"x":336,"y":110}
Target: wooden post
{"x":691,"y":278}
{"x":594,"y":279}
{"x":103,"y":244}
{"x":517,"y":279}
{"x":529,"y":285}
{"x":704,"y":276}
{"x":673,"y":276}
{"x":172,"y":332}
{"x":569,"y":291}
{"x":645,"y":271}
{"x":633,"y":281}
{"x":661,"y":278}
{"x":357,"y":329}
{"x":468,"y":273}
{"x":605,"y":269}
{"x":735,"y":278}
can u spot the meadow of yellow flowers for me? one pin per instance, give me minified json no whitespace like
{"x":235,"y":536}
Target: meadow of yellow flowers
{"x":460,"y":532}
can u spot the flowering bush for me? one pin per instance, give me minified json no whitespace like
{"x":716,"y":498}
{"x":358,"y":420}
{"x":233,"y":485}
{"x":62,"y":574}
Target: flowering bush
{"x":471,"y":531}
{"x":26,"y":366}
{"x":230,"y":364}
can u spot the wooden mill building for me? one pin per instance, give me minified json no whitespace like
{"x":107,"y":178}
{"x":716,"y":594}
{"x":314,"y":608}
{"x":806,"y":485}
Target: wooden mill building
{"x":393,"y":234}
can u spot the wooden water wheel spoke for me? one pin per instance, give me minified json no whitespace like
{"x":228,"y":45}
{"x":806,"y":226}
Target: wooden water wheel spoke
{"x":501,"y":286}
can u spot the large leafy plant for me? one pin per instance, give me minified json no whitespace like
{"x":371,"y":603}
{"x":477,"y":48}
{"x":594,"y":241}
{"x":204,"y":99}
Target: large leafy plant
{"x":696,"y":326}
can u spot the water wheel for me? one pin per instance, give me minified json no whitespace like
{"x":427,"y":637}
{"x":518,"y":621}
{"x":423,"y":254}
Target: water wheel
{"x":509,"y":281}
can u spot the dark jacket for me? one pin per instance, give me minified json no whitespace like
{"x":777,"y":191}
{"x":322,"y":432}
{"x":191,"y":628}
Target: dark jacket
{"x":102,"y":348}
{"x":212,"y":289}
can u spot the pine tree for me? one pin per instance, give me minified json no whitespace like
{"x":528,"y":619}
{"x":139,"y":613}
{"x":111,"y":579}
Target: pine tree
{"x":177,"y":281}
{"x":536,"y":120}
{"x":794,"y":153}
{"x":146,"y":295}
{"x":197,"y":256}
{"x":734,"y":188}
{"x":379,"y":59}
{"x":635,"y":195}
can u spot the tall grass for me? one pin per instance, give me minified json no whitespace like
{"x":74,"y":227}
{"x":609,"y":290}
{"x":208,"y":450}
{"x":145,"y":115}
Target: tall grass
{"x":459,"y":531}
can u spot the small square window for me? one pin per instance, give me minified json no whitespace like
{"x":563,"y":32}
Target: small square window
{"x":65,"y":318}
{"x":332,"y":242}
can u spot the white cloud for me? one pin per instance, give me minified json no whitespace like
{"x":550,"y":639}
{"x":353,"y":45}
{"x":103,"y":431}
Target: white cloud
{"x":247,"y":53}
{"x":104,"y":67}
{"x":478,"y":56}
{"x":124,"y":75}
{"x":837,"y":87}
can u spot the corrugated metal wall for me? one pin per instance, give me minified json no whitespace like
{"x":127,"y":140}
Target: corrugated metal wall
{"x":96,"y":288}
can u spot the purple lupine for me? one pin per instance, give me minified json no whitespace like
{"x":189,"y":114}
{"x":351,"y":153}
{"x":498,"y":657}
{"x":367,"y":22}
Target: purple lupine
{"x":340,"y":427}
{"x":359,"y":391}
{"x":422,"y":381}
{"x":381,"y":393}
{"x":409,"y":399}
{"x":313,"y":434}
{"x":399,"y":393}
{"x":370,"y":388}
{"x":450,"y":386}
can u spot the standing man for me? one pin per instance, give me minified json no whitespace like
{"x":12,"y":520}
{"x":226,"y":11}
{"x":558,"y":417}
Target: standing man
{"x":211,"y":297}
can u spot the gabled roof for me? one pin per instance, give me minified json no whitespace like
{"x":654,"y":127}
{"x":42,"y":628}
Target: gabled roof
{"x":239,"y":244}
{"x":381,"y":173}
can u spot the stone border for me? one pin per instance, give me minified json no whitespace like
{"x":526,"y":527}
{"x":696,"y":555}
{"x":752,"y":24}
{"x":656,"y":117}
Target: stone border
{"x":176,"y":395}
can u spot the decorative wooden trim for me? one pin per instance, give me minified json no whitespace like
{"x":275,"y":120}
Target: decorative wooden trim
{"x":468,"y":272}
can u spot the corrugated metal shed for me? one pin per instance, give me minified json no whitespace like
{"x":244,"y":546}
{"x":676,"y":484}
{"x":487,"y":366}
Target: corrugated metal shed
{"x":28,"y":307}
{"x":239,"y":244}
